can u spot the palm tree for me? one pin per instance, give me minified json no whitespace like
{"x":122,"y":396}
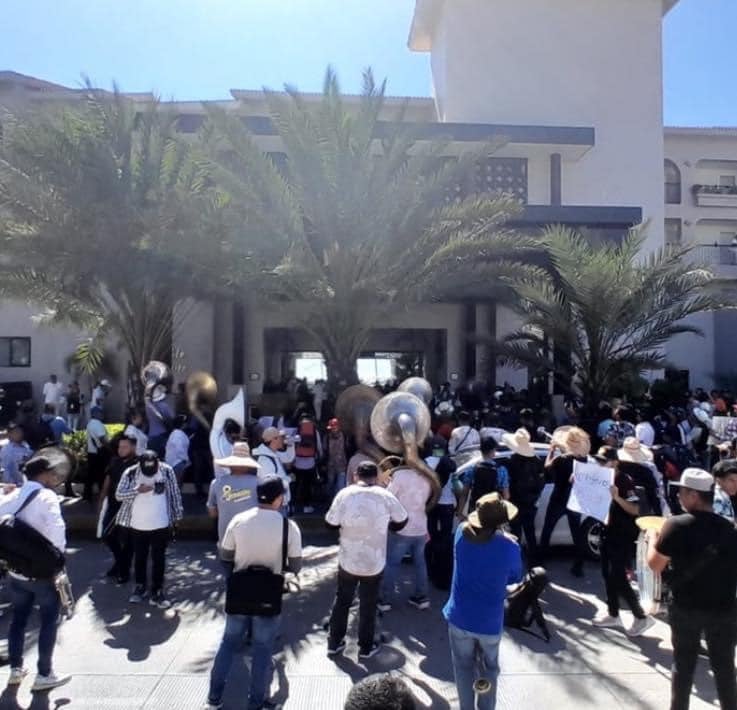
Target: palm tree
{"x":604,"y":312}
{"x":102,"y":213}
{"x":351,"y":227}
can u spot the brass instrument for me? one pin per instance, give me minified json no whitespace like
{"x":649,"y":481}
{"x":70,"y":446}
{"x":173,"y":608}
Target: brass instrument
{"x":419,"y":387}
{"x":234,"y":409}
{"x":202,"y":393}
{"x":66,"y":597}
{"x":400,"y":422}
{"x":157,"y":378}
{"x":61,"y":460}
{"x":353,"y":409}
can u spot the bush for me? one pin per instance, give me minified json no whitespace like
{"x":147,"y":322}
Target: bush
{"x":77,"y":444}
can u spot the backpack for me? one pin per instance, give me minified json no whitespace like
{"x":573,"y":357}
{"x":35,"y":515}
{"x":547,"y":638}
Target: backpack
{"x":522,"y":606}
{"x":25,"y":550}
{"x":307,"y":445}
{"x":526,"y":479}
{"x":485,"y":477}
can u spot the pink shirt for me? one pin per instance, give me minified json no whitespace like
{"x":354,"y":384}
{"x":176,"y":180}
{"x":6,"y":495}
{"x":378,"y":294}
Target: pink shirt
{"x":412,"y":490}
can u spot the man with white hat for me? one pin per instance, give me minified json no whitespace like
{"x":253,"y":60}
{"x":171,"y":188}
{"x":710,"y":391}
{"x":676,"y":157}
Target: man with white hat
{"x":272,"y":454}
{"x":235,"y":492}
{"x":701,"y":548}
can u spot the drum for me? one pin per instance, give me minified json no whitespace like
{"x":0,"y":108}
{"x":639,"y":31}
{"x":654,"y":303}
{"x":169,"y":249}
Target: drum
{"x":649,"y":582}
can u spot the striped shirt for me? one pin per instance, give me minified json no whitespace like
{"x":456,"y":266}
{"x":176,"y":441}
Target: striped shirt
{"x":126,"y":493}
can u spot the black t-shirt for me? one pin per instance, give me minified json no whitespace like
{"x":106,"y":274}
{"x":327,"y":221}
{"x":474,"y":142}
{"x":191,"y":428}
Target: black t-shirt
{"x":115,"y":470}
{"x":703,"y":552}
{"x":73,"y":404}
{"x":621,"y":525}
{"x":561,"y":469}
{"x":526,"y":479}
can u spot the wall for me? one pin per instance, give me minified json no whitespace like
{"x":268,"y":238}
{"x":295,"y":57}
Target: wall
{"x":562,"y":63}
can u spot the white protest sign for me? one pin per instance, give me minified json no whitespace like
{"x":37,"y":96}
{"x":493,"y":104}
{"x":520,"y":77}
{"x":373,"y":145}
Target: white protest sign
{"x":590,"y":493}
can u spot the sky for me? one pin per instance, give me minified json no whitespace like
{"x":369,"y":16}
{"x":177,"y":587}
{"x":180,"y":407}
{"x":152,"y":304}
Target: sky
{"x":199,"y":49}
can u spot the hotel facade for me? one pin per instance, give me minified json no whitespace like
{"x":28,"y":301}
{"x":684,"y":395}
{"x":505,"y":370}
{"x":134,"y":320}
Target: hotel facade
{"x":573,"y":93}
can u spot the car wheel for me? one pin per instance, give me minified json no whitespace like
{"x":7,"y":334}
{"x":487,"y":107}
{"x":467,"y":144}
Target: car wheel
{"x":592,"y":533}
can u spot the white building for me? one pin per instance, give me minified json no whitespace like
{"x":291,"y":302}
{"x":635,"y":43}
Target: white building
{"x":575,"y":90}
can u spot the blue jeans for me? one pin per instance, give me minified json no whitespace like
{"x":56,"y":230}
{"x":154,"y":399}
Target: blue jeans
{"x":23,"y":595}
{"x":398,"y":547}
{"x":265,"y":630}
{"x":474,"y":656}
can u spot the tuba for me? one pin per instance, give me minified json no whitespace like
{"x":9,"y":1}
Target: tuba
{"x":234,"y":409}
{"x":202,"y":393}
{"x":400,"y":422}
{"x":353,"y":409}
{"x":419,"y":387}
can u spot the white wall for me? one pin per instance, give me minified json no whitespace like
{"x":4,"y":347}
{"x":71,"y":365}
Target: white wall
{"x":565,"y":63}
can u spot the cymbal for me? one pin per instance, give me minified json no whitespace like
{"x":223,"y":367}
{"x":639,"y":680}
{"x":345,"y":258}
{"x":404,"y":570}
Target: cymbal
{"x":650,"y":522}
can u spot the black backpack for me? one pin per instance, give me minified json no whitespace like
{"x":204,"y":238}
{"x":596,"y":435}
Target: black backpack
{"x":25,"y":550}
{"x":522,"y":607}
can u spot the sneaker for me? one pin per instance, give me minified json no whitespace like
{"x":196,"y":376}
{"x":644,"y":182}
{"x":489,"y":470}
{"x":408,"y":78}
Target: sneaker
{"x":335,"y":650}
{"x":608,"y":622}
{"x":212,"y":706}
{"x":17,"y":675}
{"x":419,"y":602}
{"x":158,"y":599}
{"x":382,"y":605}
{"x":47,"y":682}
{"x":139,"y":593}
{"x":640,"y":626}
{"x":365,"y":654}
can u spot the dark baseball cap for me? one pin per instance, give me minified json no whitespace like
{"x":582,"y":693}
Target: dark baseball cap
{"x":149,"y":462}
{"x":269,"y":489}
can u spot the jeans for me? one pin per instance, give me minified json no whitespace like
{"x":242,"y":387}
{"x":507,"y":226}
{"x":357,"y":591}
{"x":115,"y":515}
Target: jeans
{"x":23,"y":595}
{"x":73,"y":421}
{"x":265,"y":630}
{"x":439,"y":549}
{"x":615,"y":555}
{"x":156,"y":541}
{"x":720,"y":631}
{"x":556,"y":510}
{"x":398,"y":547}
{"x":474,"y":656}
{"x":525,"y":522}
{"x":305,"y":484}
{"x":368,"y":595}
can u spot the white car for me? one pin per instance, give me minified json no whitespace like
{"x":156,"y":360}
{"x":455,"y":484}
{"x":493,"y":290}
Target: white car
{"x":591,"y":528}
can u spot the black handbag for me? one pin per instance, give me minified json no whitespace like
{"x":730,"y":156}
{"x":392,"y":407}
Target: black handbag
{"x":256,"y":590}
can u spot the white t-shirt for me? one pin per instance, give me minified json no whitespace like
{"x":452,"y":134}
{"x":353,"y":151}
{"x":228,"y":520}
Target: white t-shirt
{"x":463,"y":438}
{"x":412,"y":490}
{"x":98,"y":397}
{"x":149,"y":511}
{"x":95,"y":431}
{"x":139,"y":436}
{"x":52,"y":392}
{"x":256,"y":538}
{"x":363,"y":513}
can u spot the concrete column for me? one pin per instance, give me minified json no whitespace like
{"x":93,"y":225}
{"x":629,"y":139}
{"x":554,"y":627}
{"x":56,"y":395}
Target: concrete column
{"x":556,"y":190}
{"x":193,"y":340}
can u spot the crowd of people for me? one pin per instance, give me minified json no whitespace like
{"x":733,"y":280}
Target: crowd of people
{"x":476,"y":538}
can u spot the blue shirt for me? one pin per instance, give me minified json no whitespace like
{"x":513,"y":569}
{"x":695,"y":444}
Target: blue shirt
{"x":58,"y":427}
{"x":481,"y":573}
{"x":502,"y":477}
{"x":11,"y":458}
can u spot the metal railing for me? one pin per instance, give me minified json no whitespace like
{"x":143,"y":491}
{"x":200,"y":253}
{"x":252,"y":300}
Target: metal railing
{"x":716,"y":254}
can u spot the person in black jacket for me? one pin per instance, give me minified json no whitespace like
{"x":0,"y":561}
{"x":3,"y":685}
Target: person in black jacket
{"x":636,"y":461}
{"x":526,"y":482}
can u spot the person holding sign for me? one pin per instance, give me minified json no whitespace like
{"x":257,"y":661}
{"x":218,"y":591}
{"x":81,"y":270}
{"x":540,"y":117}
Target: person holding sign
{"x":620,"y":533}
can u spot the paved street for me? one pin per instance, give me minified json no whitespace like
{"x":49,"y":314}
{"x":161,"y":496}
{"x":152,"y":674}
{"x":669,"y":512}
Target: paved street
{"x":127,"y":657}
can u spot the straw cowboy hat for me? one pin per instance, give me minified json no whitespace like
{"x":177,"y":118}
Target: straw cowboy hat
{"x":491,"y":512}
{"x":519,"y":442}
{"x":572,"y":440}
{"x":240,"y":458}
{"x":634,"y":452}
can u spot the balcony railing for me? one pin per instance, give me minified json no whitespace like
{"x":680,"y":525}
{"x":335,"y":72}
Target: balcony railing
{"x":715,"y":195}
{"x":714,"y":255}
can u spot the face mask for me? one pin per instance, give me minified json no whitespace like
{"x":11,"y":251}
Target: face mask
{"x":149,"y":473}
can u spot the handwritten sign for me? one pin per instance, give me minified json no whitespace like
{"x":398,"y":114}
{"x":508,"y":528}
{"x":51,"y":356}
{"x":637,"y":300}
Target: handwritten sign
{"x":590,"y":493}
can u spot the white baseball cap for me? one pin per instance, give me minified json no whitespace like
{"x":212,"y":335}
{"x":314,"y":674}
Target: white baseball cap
{"x":696,"y":479}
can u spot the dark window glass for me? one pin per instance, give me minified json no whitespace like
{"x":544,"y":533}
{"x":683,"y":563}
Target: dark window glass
{"x":672,"y":183}
{"x":15,"y":352}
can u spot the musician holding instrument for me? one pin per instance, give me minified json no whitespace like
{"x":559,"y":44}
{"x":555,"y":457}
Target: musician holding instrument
{"x":620,"y":533}
{"x":701,"y":548}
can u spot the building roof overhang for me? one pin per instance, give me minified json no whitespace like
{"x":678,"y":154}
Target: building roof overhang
{"x":427,"y":13}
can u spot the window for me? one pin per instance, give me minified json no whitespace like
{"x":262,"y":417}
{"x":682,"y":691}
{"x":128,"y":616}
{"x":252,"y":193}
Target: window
{"x":672,"y":183}
{"x":726,"y":181}
{"x":673,"y":231}
{"x":15,"y":352}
